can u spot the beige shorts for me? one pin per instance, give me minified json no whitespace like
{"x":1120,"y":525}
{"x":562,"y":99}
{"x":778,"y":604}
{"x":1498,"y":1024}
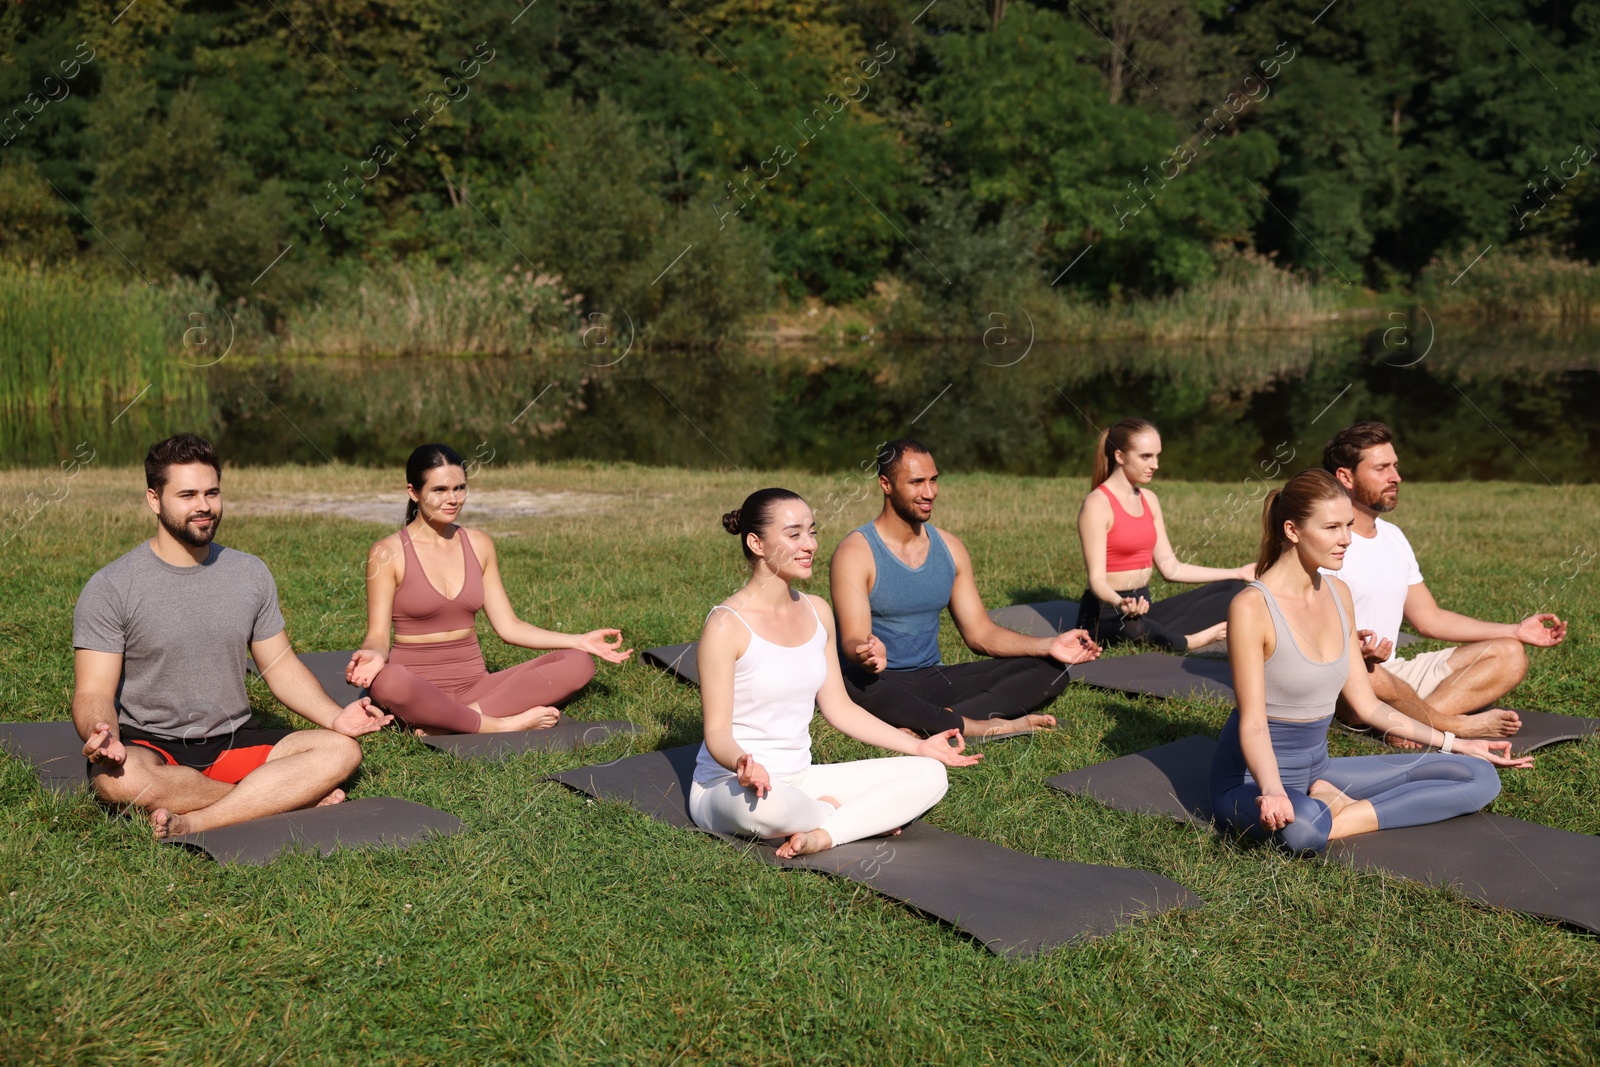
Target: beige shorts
{"x":1422,"y":672}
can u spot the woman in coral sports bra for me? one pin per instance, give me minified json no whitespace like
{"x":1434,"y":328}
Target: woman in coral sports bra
{"x":428,"y":581}
{"x":1124,"y":540}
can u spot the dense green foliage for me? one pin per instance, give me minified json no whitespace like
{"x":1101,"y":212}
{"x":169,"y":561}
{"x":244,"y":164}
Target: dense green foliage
{"x":691,"y":162}
{"x":559,"y":931}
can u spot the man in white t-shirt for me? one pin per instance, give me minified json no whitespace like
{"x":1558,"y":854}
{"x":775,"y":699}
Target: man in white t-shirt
{"x":1439,"y":688}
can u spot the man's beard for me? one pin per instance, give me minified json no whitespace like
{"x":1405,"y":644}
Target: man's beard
{"x":1377,"y":503}
{"x":907,"y":511}
{"x":192,"y":538}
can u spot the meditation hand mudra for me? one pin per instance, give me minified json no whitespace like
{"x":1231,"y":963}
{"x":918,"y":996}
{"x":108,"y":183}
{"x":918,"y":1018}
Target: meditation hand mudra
{"x":767,"y":660}
{"x":1124,"y":539}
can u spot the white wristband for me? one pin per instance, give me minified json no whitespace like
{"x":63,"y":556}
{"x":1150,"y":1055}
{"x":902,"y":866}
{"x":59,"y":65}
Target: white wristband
{"x":1449,"y":741}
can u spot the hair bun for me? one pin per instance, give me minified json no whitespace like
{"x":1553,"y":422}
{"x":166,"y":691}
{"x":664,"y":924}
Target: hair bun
{"x":730,"y":522}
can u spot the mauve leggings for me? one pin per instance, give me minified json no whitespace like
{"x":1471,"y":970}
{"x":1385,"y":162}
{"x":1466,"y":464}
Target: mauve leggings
{"x":432,"y":685}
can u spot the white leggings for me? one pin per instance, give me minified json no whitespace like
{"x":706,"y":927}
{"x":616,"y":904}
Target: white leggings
{"x":874,"y":795}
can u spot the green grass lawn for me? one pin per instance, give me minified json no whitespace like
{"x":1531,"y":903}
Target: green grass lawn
{"x":557,"y":929}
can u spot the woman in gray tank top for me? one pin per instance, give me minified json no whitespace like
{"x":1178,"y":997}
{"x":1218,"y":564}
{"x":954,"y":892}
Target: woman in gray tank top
{"x":1291,"y":642}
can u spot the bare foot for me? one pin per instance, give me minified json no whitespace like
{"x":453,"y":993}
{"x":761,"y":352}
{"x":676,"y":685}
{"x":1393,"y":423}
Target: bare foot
{"x":167,"y":824}
{"x":1208,"y":635}
{"x":1394,"y":740}
{"x":335,"y":797}
{"x":532,"y":719}
{"x":804,"y":844}
{"x":1330,"y":795}
{"x":989,"y":727}
{"x":1355,"y":817}
{"x":1494,"y":722}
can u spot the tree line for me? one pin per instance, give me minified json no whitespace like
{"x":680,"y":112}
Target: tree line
{"x":701,"y":160}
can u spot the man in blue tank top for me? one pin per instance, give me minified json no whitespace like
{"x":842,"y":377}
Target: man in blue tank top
{"x":891,"y":579}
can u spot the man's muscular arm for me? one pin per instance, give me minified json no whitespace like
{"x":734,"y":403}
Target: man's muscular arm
{"x":298,"y":690}
{"x":850,"y":577}
{"x":94,"y":704}
{"x":988,"y":638}
{"x":1432,"y":621}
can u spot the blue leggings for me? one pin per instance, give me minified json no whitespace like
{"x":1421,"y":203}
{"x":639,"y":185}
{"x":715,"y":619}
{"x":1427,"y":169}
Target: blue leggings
{"x":1405,"y":790}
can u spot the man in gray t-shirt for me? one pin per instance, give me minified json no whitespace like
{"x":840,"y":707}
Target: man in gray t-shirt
{"x":161,"y":636}
{"x":183,"y":633}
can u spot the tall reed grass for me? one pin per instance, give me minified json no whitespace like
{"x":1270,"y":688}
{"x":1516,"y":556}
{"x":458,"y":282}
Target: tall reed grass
{"x":77,"y":338}
{"x":1503,"y":284}
{"x":1249,"y":292}
{"x":72,"y":337}
{"x":427,"y":310}
{"x":81,"y":339}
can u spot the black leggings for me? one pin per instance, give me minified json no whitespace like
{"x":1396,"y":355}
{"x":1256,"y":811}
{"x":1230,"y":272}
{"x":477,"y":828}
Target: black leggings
{"x":930,"y":700}
{"x":1167,"y":623}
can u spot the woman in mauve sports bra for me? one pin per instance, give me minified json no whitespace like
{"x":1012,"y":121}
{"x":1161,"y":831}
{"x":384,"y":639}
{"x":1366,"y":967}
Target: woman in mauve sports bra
{"x":768,"y":658}
{"x":434,"y":678}
{"x":1292,"y":644}
{"x":1121,"y":549}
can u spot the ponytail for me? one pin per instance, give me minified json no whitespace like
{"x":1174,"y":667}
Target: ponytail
{"x":1293,"y":503}
{"x":1273,"y":540}
{"x":1119,"y":438}
{"x":1102,"y":464}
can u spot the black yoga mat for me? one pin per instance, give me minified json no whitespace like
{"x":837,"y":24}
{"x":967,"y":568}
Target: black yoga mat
{"x":1172,"y":780}
{"x":562,"y":737}
{"x":1491,"y":859}
{"x":1011,"y":902}
{"x":1051,"y":617}
{"x":1540,"y":728}
{"x":383,"y":821}
{"x":677,"y":659}
{"x":1038,"y":620}
{"x":328,"y":669}
{"x":1163,"y":675}
{"x":53,"y":749}
{"x":1159,"y":674}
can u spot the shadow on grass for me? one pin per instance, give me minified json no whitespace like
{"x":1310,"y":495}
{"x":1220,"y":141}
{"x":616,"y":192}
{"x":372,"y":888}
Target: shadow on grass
{"x":683,"y":733}
{"x":1137,"y":728}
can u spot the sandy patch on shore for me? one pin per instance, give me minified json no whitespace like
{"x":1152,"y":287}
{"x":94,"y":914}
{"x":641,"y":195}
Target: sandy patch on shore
{"x":483,"y":505}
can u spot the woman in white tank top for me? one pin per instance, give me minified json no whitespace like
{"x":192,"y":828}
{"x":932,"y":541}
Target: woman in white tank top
{"x":768,"y":657}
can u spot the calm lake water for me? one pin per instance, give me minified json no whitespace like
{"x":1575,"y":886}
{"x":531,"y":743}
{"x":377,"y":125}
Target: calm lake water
{"x":1468,"y":403}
